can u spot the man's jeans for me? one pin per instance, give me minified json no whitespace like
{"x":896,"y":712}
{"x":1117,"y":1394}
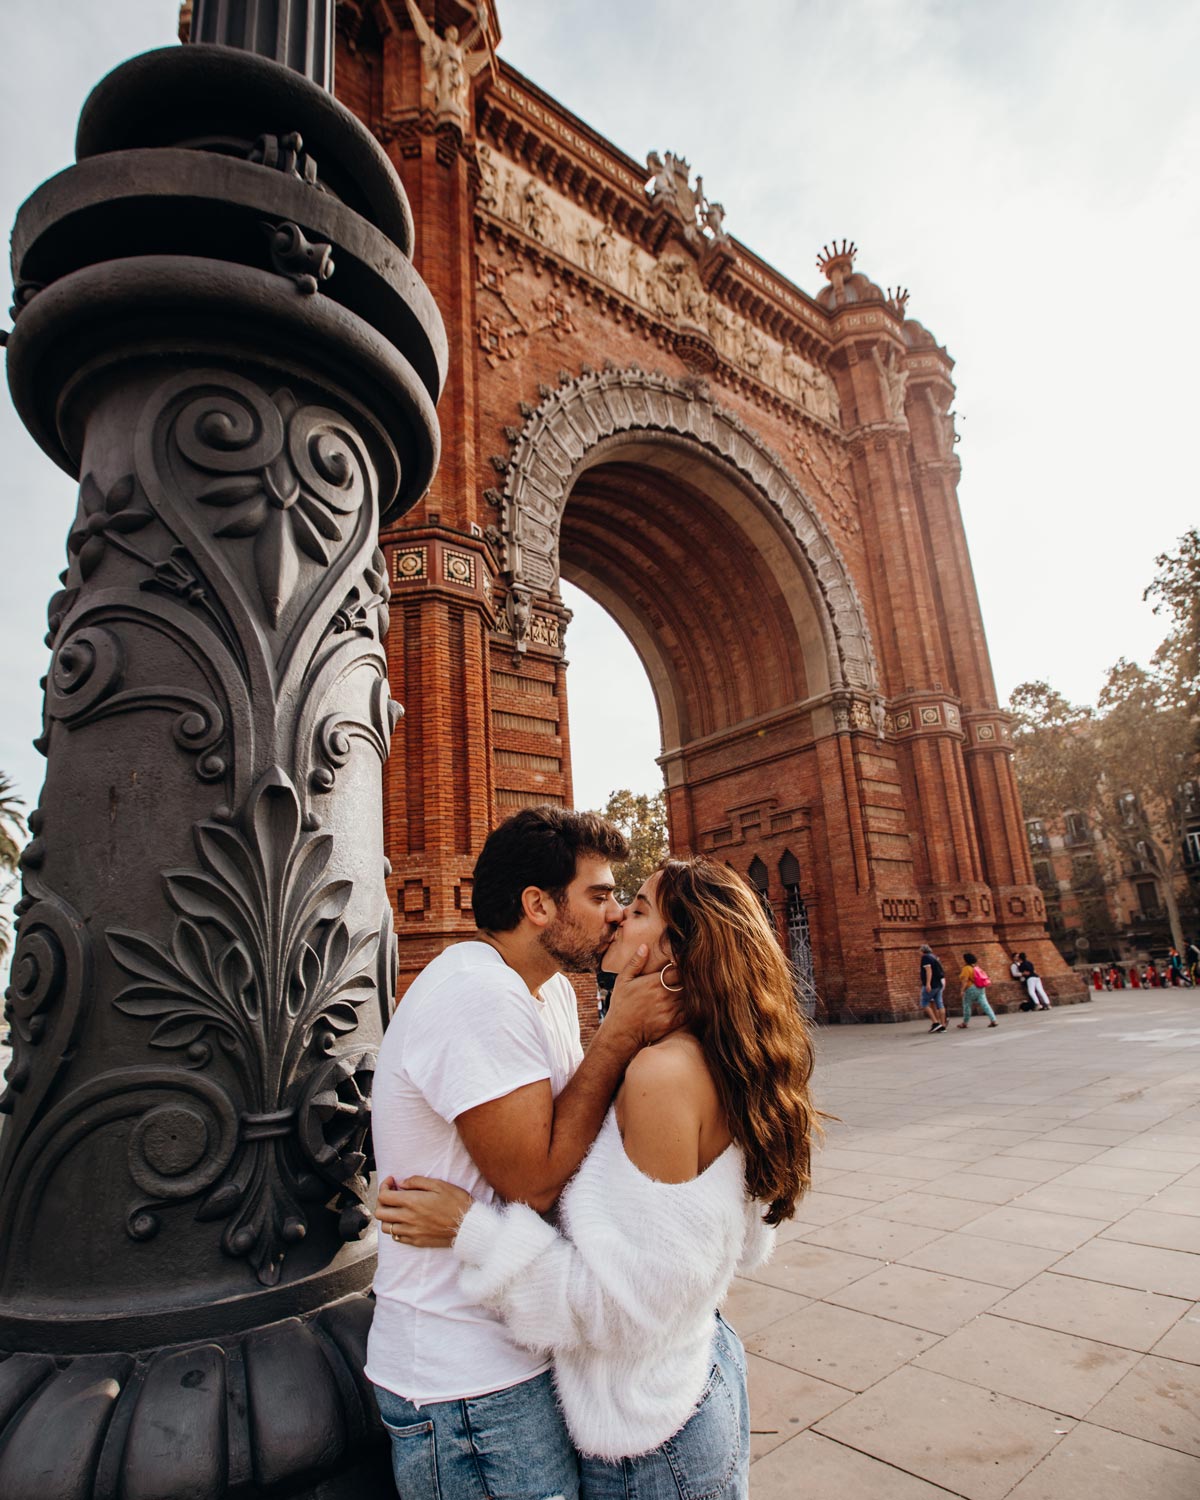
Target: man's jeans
{"x":510,"y":1445}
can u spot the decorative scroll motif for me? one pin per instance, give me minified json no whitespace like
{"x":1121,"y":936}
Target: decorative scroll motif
{"x":288,"y":477}
{"x":585,"y":411}
{"x":51,"y":973}
{"x":668,"y":288}
{"x":261,"y":964}
{"x":307,"y":262}
{"x":287,"y":154}
{"x":233,"y":582}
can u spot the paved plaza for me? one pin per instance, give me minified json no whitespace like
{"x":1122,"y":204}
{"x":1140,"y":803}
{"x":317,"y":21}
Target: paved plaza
{"x":994,"y":1287}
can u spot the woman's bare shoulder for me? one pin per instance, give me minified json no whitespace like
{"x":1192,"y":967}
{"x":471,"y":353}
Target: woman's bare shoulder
{"x":677,"y":1059}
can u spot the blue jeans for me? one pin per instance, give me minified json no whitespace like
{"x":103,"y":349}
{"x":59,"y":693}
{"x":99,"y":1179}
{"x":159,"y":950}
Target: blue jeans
{"x":510,"y":1445}
{"x":707,"y":1459}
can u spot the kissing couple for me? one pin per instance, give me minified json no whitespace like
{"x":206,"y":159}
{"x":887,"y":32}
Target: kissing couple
{"x":547,"y":1280}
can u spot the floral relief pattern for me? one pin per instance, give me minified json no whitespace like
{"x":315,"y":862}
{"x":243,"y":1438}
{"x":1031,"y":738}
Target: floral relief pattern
{"x":262,"y":964}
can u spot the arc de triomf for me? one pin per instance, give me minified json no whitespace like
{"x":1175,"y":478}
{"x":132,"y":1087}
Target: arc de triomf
{"x":758,"y":484}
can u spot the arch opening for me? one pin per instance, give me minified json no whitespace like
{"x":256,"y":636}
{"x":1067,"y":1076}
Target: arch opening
{"x":701,"y":580}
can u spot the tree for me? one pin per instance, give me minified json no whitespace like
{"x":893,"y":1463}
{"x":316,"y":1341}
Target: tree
{"x":1125,"y":766}
{"x":642,"y":818}
{"x":1175,"y":592}
{"x":1147,"y":747}
{"x":12,"y":830}
{"x":1057,"y":763}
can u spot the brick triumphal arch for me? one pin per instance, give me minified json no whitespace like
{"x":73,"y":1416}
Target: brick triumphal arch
{"x":758,"y":484}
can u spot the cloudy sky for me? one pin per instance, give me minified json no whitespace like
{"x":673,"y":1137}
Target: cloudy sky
{"x":1029,"y":169}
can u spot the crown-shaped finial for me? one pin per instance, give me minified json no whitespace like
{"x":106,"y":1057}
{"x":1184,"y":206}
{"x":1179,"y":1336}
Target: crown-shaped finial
{"x":897,"y":300}
{"x":835,"y":259}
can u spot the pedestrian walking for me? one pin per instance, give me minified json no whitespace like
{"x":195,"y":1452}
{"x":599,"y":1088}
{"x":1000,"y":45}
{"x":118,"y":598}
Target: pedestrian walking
{"x":1152,"y":977}
{"x":974,"y":982}
{"x":1175,"y":967}
{"x":1192,"y":954}
{"x":1033,"y":984}
{"x":933,"y":988}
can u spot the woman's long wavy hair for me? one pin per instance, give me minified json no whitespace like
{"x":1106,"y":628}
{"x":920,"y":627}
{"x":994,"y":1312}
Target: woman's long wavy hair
{"x":739,"y":1000}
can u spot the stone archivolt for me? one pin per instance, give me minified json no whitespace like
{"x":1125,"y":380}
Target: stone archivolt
{"x":585,"y":412}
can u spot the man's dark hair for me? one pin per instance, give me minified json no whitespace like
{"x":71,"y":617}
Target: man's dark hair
{"x":537,"y":846}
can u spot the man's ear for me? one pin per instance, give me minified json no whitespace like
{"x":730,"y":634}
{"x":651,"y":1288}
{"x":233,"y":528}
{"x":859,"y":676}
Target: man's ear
{"x":537,"y":906}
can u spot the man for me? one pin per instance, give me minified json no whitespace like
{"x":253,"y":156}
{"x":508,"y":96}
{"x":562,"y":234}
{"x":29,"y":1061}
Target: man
{"x":1038,"y":998}
{"x":482,"y":1081}
{"x":933,"y":987}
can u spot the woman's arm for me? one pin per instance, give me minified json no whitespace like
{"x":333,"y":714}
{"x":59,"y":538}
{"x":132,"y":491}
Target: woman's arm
{"x":553,"y":1295}
{"x":423,"y":1212}
{"x":515,"y":1263}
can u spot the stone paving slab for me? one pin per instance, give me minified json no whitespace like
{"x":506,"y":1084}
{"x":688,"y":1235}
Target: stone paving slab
{"x":994,"y":1292}
{"x":1182,"y":1340}
{"x":814,"y":1468}
{"x":1113,"y":1314}
{"x":970,"y":1441}
{"x":786,"y":1402}
{"x":1159,"y":1401}
{"x":849,"y":1348}
{"x":1092,"y":1463}
{"x":1054,"y":1370}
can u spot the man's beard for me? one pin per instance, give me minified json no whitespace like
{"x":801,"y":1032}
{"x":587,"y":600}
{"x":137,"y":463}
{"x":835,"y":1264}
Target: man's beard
{"x":570,"y":946}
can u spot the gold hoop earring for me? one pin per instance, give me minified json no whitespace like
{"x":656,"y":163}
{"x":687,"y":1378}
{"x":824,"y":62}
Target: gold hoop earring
{"x":673,"y":989}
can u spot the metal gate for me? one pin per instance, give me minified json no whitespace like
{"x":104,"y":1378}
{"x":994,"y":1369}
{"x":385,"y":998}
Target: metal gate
{"x":800,"y":952}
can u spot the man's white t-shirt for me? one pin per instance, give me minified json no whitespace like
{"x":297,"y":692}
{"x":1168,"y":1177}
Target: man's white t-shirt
{"x":466,"y":1032}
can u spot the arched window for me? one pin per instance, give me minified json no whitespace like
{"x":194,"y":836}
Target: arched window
{"x":760,"y":879}
{"x":799,"y":944}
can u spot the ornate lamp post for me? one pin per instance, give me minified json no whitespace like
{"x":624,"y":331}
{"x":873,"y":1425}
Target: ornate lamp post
{"x":218,"y":328}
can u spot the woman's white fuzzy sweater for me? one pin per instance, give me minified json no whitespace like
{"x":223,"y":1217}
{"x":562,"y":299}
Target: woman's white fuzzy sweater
{"x":623,"y":1294}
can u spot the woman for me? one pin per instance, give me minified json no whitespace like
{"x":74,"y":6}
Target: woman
{"x":973,"y":992}
{"x":705,"y":1149}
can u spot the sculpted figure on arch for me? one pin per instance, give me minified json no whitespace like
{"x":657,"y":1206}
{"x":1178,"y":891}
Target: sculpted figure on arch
{"x":449,"y":63}
{"x":489,"y":179}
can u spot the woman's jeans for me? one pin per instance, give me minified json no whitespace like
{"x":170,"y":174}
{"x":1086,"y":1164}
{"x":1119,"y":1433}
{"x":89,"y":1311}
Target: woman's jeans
{"x":707,"y":1459}
{"x":511,"y":1444}
{"x":973,"y":995}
